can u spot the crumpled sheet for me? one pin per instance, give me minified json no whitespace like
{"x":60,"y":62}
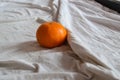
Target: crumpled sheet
{"x":92,"y":51}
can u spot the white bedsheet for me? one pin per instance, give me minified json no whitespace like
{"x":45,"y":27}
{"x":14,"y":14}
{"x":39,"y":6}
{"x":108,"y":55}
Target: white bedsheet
{"x":92,"y":52}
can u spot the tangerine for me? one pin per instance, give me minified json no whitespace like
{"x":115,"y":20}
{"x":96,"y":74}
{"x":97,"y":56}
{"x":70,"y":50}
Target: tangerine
{"x":51,"y":34}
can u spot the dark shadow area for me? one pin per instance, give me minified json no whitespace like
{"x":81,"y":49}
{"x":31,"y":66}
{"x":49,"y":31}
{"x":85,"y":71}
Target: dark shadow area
{"x":112,"y":4}
{"x":40,"y":20}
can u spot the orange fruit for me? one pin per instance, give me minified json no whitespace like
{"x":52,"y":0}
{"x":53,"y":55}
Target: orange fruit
{"x":51,"y":34}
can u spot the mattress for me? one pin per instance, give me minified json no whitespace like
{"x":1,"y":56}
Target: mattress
{"x":92,"y":51}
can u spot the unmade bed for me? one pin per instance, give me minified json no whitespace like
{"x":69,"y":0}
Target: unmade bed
{"x":92,"y":50}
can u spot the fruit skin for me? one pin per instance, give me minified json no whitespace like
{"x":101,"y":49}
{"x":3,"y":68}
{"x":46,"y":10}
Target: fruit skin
{"x":51,"y":34}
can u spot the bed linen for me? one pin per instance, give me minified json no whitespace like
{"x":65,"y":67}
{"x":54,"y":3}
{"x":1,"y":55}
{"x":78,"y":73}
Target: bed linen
{"x":92,"y":51}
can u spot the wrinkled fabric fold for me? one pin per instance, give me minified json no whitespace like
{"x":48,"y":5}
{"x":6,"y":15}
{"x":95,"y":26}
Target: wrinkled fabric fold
{"x":92,"y":51}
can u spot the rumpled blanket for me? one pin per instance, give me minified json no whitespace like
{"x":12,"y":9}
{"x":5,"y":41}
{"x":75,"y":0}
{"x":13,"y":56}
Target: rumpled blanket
{"x":92,"y":51}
